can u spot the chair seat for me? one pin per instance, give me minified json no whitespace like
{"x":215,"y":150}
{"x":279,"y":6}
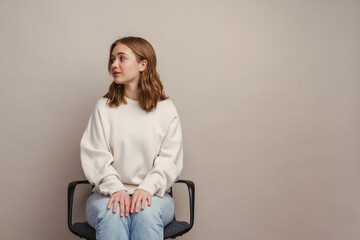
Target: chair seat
{"x":176,"y":228}
{"x":85,"y":230}
{"x":173,"y":228}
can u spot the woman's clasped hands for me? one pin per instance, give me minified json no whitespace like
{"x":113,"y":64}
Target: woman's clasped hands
{"x":128,"y":204}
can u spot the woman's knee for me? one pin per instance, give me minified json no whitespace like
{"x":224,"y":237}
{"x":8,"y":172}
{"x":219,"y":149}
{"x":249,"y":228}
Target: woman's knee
{"x":110,"y":225}
{"x":150,"y":214}
{"x":97,"y":211}
{"x":146,"y":222}
{"x":160,"y":208}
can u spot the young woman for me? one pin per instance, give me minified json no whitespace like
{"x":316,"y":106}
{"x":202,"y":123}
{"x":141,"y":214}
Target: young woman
{"x":132,"y":148}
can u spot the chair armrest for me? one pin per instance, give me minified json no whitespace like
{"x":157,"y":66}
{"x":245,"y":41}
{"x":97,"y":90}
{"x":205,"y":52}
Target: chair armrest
{"x":191,"y":187}
{"x":71,"y":190}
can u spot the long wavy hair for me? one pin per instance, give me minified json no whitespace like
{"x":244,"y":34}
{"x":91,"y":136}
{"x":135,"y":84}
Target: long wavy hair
{"x":150,"y":87}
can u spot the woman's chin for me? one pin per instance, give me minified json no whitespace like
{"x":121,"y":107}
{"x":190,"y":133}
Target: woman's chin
{"x":117,"y":81}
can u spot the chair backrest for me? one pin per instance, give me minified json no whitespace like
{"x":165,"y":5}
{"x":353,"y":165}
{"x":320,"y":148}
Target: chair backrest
{"x":170,"y":193}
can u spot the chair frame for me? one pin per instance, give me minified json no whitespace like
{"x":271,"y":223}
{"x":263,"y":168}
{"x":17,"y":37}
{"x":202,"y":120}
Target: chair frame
{"x":171,"y":233}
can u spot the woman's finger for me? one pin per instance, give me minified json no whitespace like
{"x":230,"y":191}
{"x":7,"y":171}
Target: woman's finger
{"x":143,"y":203}
{"x":110,"y":202}
{"x":137,"y":205}
{"x":122,"y":210}
{"x":149,"y":200}
{"x":133,"y":202}
{"x":116,"y":201}
{"x":127,"y":206}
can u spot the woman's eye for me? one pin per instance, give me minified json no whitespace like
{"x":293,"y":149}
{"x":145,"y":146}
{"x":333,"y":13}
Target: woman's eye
{"x":121,"y":59}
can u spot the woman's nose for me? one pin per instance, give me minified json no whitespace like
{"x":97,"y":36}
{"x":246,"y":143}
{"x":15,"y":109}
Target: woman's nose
{"x":114,"y":63}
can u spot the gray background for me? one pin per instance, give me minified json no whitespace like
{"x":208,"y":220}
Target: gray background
{"x":268,"y":94}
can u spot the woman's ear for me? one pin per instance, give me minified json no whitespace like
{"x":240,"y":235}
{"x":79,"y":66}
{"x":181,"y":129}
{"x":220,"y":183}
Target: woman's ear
{"x":143,"y":65}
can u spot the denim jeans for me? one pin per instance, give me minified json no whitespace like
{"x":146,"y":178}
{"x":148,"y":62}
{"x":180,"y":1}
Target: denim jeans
{"x":146,"y":224}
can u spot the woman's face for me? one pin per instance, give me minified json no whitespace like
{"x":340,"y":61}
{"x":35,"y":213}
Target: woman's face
{"x":124,"y":67}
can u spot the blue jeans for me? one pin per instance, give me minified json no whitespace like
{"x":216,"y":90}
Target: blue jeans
{"x":146,"y":224}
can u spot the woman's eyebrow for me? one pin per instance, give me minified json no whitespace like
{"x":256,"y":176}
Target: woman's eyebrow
{"x":119,"y":53}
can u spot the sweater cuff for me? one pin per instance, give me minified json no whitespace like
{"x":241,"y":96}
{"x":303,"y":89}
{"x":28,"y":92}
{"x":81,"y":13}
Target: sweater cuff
{"x":110,"y":185}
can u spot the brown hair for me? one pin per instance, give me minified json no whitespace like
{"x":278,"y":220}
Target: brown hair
{"x":150,"y":86}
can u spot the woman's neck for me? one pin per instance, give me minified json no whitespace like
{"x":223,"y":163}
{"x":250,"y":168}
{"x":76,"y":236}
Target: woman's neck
{"x":133,"y":94}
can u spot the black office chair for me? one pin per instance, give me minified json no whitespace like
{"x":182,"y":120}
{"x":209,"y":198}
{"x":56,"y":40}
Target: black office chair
{"x":172,"y":230}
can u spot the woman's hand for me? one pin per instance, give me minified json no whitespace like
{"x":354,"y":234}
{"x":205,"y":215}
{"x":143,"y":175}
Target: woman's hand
{"x":140,"y":195}
{"x":123,"y":198}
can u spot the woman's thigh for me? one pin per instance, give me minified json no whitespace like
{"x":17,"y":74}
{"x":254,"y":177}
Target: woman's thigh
{"x":94,"y":205}
{"x":167,"y":207}
{"x":162,"y":208}
{"x":108,"y":225}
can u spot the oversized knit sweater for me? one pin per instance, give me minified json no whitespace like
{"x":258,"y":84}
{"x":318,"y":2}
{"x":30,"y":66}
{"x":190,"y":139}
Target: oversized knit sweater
{"x":127,"y":148}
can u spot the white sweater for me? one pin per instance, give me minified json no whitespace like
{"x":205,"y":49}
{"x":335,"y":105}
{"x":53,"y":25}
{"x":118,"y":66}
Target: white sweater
{"x":127,"y":148}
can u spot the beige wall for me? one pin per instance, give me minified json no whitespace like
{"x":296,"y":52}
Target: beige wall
{"x":268,"y":93}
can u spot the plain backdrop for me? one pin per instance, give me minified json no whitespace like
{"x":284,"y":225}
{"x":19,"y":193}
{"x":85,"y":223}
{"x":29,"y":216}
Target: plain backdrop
{"x":268,"y":94}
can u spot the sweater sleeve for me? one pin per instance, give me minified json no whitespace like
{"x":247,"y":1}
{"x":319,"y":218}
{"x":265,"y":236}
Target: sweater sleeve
{"x":96,"y":158}
{"x":168,"y":163}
